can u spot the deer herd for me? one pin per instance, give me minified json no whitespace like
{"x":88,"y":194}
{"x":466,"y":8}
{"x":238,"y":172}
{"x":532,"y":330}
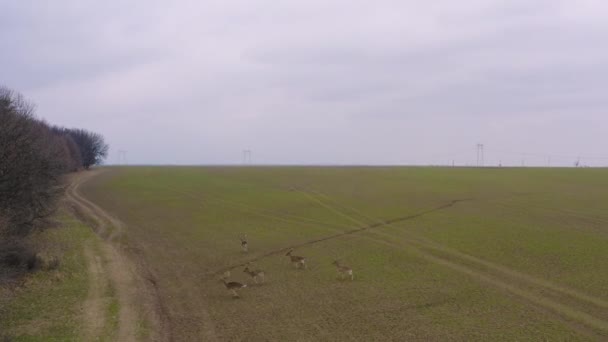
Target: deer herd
{"x":258,"y":276}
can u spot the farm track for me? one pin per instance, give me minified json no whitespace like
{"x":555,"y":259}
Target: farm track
{"x":583,"y":323}
{"x":493,"y":266}
{"x":124,"y":274}
{"x":330,"y":237}
{"x":94,"y":304}
{"x":296,"y":219}
{"x":584,"y":313}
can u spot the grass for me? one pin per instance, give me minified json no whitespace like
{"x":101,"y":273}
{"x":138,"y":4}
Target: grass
{"x":493,"y":267}
{"x":49,"y":305}
{"x":112,"y":313}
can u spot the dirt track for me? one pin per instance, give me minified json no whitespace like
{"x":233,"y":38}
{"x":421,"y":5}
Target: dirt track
{"x":584,"y":313}
{"x":128,"y":276}
{"x":94,"y":316}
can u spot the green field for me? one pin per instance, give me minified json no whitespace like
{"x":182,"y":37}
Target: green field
{"x":48,"y":306}
{"x":468,"y":254}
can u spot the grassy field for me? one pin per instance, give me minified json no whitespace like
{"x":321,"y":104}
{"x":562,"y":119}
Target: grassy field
{"x":438,"y":254}
{"x":50,"y":303}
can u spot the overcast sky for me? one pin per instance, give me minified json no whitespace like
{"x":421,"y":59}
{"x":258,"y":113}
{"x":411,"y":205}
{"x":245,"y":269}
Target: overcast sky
{"x":318,"y":81}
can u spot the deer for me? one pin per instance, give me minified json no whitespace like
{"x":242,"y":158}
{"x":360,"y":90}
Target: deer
{"x":255,"y":274}
{"x":232,"y":286}
{"x":343,"y":270}
{"x":297,"y":261}
{"x":244,"y":245}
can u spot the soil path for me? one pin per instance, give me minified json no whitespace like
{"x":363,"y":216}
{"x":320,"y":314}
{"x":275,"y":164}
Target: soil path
{"x":94,"y":313}
{"x":135,"y":289}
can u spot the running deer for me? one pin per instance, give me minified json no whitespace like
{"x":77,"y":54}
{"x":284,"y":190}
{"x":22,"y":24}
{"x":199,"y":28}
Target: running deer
{"x":343,"y":270}
{"x":255,"y":274}
{"x":298,"y":261}
{"x":244,"y":245}
{"x":232,"y":286}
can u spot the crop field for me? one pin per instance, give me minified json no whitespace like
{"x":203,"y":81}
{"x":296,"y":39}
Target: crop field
{"x":438,"y":254}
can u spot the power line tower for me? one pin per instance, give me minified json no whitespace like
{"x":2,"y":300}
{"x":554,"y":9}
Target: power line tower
{"x":246,"y":157}
{"x":122,"y":157}
{"x":480,"y":158}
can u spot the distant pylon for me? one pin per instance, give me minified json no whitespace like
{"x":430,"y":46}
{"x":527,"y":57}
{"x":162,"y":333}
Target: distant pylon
{"x":480,"y":158}
{"x":246,"y":157}
{"x":122,"y":157}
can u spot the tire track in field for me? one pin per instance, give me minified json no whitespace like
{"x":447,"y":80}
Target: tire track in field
{"x":522,"y":286}
{"x":431,"y":247}
{"x":581,"y":322}
{"x":118,"y":272}
{"x":109,"y":228}
{"x":94,"y":311}
{"x":510,"y":281}
{"x":363,"y":227}
{"x":423,"y":242}
{"x":331,"y":237}
{"x":122,"y":272}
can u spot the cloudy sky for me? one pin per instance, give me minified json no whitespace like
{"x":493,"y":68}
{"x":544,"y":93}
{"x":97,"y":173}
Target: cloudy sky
{"x":319,"y":81}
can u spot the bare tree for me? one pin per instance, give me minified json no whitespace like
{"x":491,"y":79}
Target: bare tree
{"x":72,"y":151}
{"x":92,"y":146}
{"x":32,"y":160}
{"x":33,"y":157}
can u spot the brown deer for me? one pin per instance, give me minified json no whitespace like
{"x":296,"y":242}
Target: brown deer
{"x":297,"y":261}
{"x":343,"y":270}
{"x":244,"y":244}
{"x":232,"y":286}
{"x":255,"y":274}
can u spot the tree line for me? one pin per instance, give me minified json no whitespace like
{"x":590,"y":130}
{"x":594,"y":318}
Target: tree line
{"x":34,"y":157}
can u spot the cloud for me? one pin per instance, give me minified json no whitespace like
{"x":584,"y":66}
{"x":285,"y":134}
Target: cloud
{"x":311,"y":82}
